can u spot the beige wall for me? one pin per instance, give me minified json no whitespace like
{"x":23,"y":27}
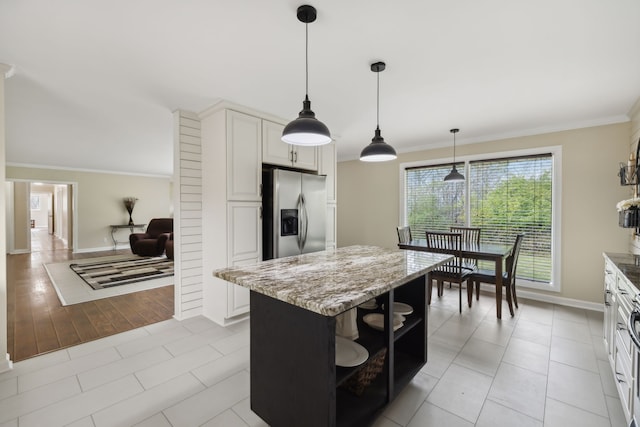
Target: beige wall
{"x":99,"y":200}
{"x":21,"y":216}
{"x":368,"y":199}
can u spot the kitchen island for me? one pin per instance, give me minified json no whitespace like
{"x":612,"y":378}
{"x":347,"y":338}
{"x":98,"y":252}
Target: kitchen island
{"x":294,"y":304}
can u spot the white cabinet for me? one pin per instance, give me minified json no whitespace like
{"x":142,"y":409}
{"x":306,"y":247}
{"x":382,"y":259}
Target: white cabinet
{"x":231,"y":208}
{"x":331,"y":226}
{"x":244,"y":156}
{"x":245,"y":247}
{"x":244,"y":233}
{"x":276,"y":152}
{"x":619,"y":293}
{"x":235,"y":144}
{"x":328,"y":167}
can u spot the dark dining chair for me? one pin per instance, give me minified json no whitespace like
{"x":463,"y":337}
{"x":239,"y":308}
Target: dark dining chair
{"x":470,"y":237}
{"x":508,"y":277}
{"x":404,"y":234}
{"x":454,"y":271}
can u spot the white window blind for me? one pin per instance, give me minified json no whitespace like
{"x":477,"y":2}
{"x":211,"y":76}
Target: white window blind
{"x":506,"y":196}
{"x":433,"y":204}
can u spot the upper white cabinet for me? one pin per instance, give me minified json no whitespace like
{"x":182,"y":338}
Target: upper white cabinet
{"x":276,"y":152}
{"x":244,"y":157}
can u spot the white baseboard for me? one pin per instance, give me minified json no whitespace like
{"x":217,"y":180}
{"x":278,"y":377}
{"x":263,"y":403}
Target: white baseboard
{"x":6,"y":365}
{"x":19,"y":251}
{"x":569,"y":302}
{"x":552,"y":299}
{"x":101,"y":249}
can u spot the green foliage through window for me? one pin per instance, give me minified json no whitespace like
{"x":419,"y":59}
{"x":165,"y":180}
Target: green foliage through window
{"x":505,"y":197}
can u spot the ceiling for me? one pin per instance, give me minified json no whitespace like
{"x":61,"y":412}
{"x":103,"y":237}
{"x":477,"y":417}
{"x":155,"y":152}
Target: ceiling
{"x":95,"y":83}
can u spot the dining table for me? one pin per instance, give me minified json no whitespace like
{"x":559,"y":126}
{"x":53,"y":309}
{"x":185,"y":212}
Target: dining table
{"x":496,"y":253}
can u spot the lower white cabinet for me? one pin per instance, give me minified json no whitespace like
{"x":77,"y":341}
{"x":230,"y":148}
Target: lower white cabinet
{"x":245,"y":247}
{"x":618,"y":303}
{"x":244,"y":232}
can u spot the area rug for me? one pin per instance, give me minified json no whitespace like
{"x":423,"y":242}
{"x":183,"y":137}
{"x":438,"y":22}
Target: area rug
{"x":106,"y":274}
{"x":72,"y":289}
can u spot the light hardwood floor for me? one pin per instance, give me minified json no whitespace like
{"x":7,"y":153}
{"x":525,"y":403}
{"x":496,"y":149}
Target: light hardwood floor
{"x":37,"y":321}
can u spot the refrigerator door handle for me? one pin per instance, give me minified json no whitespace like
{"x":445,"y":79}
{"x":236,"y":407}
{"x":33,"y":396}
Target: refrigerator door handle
{"x":299,"y":206}
{"x":305,"y":222}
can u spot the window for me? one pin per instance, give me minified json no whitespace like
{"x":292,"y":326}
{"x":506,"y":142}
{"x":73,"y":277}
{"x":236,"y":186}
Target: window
{"x":504,"y":195}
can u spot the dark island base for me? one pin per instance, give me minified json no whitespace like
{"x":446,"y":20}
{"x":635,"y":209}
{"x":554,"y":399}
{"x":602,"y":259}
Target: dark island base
{"x":294,"y":379}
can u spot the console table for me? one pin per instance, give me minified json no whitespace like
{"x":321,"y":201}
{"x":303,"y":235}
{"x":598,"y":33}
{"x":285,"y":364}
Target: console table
{"x":117,"y":227}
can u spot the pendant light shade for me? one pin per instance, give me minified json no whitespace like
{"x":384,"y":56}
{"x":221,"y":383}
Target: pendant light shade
{"x":454,"y":175}
{"x":306,"y":129}
{"x":378,"y":150}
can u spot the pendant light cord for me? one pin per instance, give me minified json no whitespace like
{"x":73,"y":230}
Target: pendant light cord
{"x":306,"y":59}
{"x":378,"y":102}
{"x":454,"y":149}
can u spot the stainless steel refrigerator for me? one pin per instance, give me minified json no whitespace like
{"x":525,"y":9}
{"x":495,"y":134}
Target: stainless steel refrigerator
{"x":294,"y":213}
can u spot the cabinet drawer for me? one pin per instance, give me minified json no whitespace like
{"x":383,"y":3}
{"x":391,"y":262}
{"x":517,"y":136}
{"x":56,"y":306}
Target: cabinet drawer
{"x":623,"y":340}
{"x":624,"y":383}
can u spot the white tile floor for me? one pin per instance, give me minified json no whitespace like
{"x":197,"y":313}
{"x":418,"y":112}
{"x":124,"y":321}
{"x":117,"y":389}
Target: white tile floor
{"x":544,"y":367}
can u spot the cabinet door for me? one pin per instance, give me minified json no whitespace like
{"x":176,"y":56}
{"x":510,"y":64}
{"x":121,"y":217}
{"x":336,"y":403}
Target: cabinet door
{"x":328,"y":168}
{"x":237,"y":296}
{"x":305,"y":157}
{"x":274,"y":151}
{"x":244,"y":156}
{"x":244,"y":233}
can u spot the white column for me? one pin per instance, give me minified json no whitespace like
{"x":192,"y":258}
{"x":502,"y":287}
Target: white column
{"x":5,"y":362}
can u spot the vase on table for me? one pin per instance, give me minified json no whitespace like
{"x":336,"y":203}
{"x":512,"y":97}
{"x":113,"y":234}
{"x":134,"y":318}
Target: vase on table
{"x":129,"y":203}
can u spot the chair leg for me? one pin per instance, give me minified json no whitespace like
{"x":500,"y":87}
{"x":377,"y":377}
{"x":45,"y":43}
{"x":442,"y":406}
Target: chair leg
{"x":513,"y":294}
{"x":477,"y":283}
{"x":440,"y":288}
{"x":459,"y":296}
{"x":508,"y":296}
{"x":470,"y":292}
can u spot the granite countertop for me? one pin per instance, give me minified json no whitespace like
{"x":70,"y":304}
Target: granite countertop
{"x":333,"y":281}
{"x":628,"y":264}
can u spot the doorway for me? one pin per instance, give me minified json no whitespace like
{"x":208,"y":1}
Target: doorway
{"x":40,"y":216}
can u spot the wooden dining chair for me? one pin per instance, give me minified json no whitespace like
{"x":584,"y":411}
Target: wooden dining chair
{"x":470,"y":236}
{"x":404,"y":234}
{"x":452,"y":272}
{"x":508,"y":277}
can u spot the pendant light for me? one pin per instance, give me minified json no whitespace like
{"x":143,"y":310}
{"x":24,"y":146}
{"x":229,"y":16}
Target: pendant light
{"x":378,"y":150}
{"x":454,"y":175}
{"x":306,"y":129}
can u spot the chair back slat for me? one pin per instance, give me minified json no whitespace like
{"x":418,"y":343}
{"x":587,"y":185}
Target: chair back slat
{"x":404,"y":234}
{"x":470,"y":235}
